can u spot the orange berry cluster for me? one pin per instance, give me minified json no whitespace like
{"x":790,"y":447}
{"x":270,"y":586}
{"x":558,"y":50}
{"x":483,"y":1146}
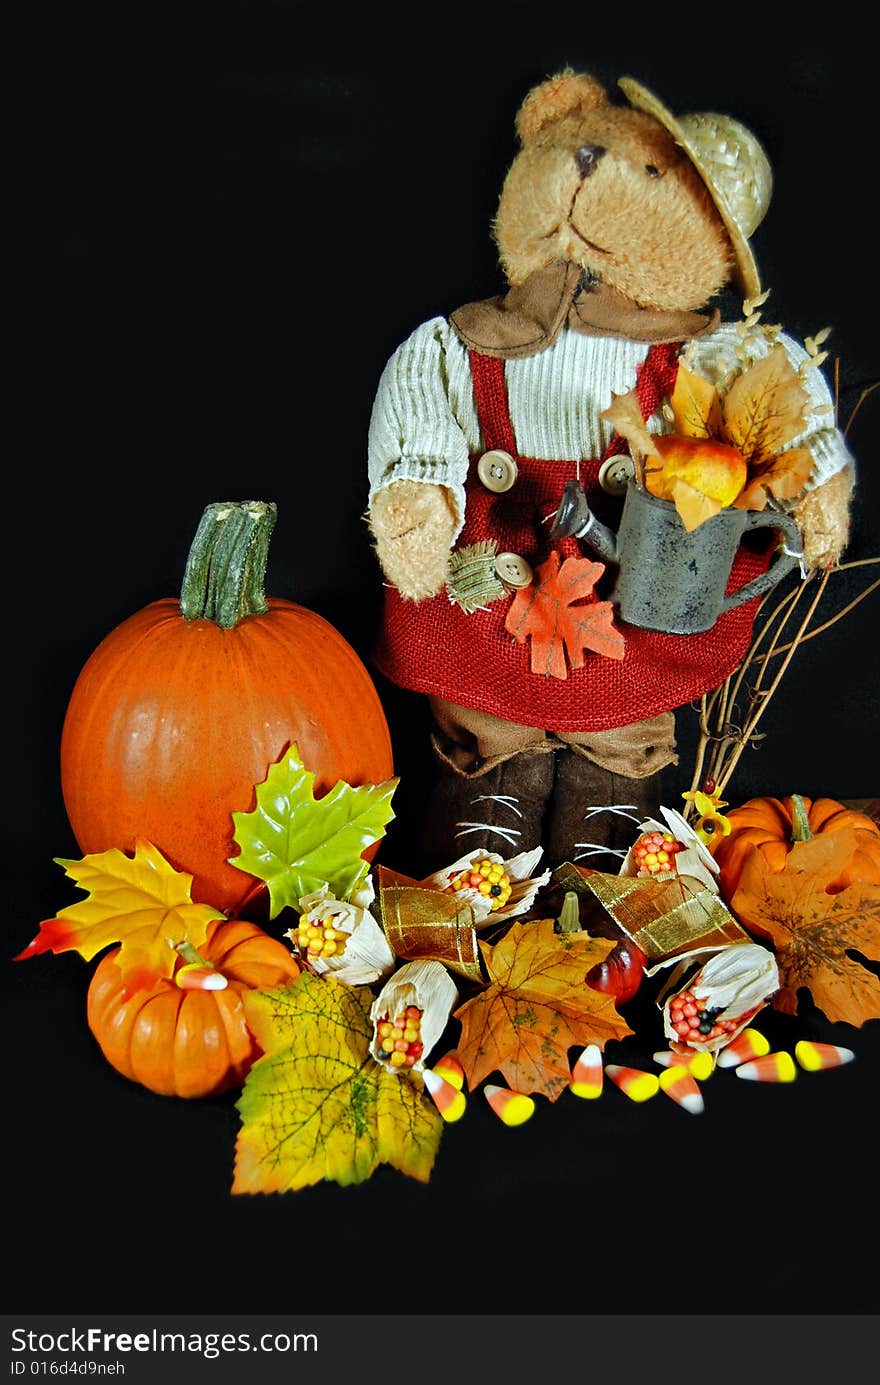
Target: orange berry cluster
{"x":320,"y":939}
{"x":695,"y":1022}
{"x":488,"y":878}
{"x":400,"y":1039}
{"x":654,"y":852}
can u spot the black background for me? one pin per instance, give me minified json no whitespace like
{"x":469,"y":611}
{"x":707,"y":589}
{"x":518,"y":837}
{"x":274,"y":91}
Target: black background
{"x":221,"y":220}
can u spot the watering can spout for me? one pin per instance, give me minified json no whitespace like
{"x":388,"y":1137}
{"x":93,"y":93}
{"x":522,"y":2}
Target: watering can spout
{"x":574,"y":517}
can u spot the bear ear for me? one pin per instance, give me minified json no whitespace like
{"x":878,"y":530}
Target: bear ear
{"x":558,"y":96}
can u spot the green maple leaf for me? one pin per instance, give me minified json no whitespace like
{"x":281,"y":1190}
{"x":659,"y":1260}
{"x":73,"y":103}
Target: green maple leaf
{"x":297,"y":843}
{"x":316,"y":1105}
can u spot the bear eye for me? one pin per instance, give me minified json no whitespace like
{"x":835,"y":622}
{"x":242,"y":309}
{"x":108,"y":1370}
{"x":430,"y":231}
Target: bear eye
{"x":651,"y":171}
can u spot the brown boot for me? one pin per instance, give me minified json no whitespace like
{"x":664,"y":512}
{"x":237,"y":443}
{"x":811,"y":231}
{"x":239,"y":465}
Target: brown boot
{"x":500,"y":809}
{"x":594,"y":816}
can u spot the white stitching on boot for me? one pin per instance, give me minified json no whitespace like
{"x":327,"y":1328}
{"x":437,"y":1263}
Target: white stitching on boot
{"x":593,"y":848}
{"x":508,"y":833}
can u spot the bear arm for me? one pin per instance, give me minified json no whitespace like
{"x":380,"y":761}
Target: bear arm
{"x":413,"y":524}
{"x":822,"y":516}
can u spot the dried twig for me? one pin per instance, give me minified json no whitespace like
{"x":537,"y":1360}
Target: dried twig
{"x":722,"y":739}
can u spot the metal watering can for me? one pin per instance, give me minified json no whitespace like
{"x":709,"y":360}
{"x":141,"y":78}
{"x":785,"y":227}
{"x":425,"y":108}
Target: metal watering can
{"x":668,"y":579}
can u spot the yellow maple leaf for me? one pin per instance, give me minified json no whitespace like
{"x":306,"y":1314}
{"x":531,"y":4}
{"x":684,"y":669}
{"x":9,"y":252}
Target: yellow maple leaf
{"x":316,"y":1105}
{"x":765,"y":407}
{"x":536,"y":1007}
{"x":140,"y":902}
{"x":696,"y":406}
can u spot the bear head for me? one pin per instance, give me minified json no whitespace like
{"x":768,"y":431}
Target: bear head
{"x":607,"y":186}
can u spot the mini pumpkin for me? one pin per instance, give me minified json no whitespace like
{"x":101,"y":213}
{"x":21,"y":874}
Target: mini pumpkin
{"x":775,"y":825}
{"x":183,"y":708}
{"x":188,"y":1043}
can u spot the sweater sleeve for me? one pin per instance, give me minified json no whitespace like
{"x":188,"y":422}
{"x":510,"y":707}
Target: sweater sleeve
{"x":716,"y":357}
{"x":416,"y":432}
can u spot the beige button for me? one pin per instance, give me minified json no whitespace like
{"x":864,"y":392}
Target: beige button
{"x":513,"y":570}
{"x":615,"y":473}
{"x":497,"y":470}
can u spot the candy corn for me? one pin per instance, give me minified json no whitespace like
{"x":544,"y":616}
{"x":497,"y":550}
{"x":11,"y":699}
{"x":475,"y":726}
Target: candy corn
{"x":586,"y":1075}
{"x":449,"y":1067}
{"x":514,"y":1108}
{"x":450,"y":1102}
{"x":637,"y":1085}
{"x":699,"y":1065}
{"x":772,"y":1067}
{"x":679,"y":1084}
{"x":194,"y":977}
{"x":747,"y":1044}
{"x":815,"y":1057}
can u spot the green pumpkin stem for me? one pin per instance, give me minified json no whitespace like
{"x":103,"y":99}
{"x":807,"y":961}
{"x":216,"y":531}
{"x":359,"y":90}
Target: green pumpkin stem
{"x":225,"y":574}
{"x":569,"y":920}
{"x":191,"y":956}
{"x":800,"y":823}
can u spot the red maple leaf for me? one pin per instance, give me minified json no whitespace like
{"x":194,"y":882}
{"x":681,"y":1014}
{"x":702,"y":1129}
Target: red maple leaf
{"x":545,"y":612}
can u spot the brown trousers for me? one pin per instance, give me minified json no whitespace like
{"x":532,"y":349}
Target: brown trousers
{"x":472,"y":742}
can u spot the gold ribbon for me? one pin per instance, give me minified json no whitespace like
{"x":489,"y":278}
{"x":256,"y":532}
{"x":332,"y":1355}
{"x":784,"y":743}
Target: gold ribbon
{"x":662,"y":917}
{"x":427,"y":925}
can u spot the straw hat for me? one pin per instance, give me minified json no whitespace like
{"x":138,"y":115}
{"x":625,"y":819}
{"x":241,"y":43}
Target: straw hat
{"x":731,"y":163}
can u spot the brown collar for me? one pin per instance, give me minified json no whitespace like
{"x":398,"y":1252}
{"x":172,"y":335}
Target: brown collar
{"x":529,"y":317}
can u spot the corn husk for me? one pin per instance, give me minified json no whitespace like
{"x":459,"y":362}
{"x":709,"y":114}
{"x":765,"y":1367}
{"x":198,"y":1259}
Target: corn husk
{"x":367,"y":955}
{"x":695,"y":864}
{"x":427,"y":985}
{"x":736,"y":981}
{"x":524,"y":885}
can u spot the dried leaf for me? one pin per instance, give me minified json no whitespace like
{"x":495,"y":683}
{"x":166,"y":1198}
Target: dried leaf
{"x":315,"y":1105}
{"x":693,"y":506}
{"x":140,"y":902}
{"x":696,"y":407}
{"x":624,"y":413}
{"x":536,"y":1007}
{"x":782,"y":479}
{"x":765,"y":407}
{"x":813,"y":931}
{"x":298,"y":844}
{"x":546,"y":614}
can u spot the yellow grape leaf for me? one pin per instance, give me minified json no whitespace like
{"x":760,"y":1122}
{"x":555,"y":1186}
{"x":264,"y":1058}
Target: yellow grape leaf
{"x":536,"y":1007}
{"x":693,"y":505}
{"x":815,"y":928}
{"x":783,"y":479}
{"x":625,"y":416}
{"x":316,"y":1105}
{"x":765,"y":407}
{"x":696,"y":406}
{"x":140,"y":902}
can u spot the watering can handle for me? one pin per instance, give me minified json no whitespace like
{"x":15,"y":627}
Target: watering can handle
{"x":787,"y":557}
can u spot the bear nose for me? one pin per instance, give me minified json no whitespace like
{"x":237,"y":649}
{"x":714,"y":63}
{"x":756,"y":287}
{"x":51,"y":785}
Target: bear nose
{"x":587,"y":158}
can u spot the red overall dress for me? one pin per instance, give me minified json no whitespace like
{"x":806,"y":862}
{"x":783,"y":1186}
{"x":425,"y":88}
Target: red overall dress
{"x":435,"y":647}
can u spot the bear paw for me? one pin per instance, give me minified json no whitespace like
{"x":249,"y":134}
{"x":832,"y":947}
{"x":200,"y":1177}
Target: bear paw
{"x":413,"y":523}
{"x":823,"y":519}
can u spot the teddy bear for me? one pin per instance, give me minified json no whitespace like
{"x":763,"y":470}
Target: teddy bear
{"x":618,"y":226}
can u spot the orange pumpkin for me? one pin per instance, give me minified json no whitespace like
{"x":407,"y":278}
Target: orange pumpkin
{"x":184,"y":707}
{"x":774,"y":825}
{"x":188,"y":1043}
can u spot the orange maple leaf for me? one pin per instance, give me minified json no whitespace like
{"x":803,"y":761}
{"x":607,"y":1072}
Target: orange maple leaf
{"x":535,"y":1008}
{"x":545,"y":613}
{"x":813,"y":931}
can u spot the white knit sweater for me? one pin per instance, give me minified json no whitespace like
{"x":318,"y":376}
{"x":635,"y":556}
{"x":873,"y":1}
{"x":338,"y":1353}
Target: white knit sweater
{"x":424,"y":422}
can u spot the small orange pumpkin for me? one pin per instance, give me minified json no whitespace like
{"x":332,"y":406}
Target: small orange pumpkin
{"x":774,"y":825}
{"x":188,"y":1043}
